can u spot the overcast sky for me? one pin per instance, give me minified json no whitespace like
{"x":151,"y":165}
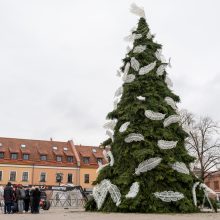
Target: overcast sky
{"x":58,"y":62}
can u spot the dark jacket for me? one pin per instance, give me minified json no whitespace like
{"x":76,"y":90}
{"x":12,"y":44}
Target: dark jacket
{"x":8,"y":194}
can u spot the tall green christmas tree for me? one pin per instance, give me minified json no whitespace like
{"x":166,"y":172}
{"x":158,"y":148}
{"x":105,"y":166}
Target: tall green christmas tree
{"x":148,"y":169}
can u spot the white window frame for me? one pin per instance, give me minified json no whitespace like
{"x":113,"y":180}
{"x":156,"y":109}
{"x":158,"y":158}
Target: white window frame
{"x":15,"y":176}
{"x":27,"y":176}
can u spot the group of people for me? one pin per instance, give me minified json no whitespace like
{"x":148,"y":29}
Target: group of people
{"x":18,"y":199}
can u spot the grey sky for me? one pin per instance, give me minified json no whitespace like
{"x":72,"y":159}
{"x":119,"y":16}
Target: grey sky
{"x":58,"y":62}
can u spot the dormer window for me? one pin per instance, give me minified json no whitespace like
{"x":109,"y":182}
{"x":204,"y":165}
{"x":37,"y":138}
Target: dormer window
{"x":86,"y":160}
{"x":65,"y":148}
{"x":99,"y":160}
{"x":25,"y":156}
{"x":59,"y":159}
{"x":14,"y":156}
{"x":1,"y":155}
{"x":70,"y":159}
{"x":23,"y":145}
{"x":54,"y":148}
{"x":43,"y":157}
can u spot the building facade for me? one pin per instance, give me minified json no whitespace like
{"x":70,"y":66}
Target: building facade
{"x":38,"y":162}
{"x":213,"y":181}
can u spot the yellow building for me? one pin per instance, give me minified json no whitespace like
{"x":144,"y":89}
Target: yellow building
{"x":37,"y":162}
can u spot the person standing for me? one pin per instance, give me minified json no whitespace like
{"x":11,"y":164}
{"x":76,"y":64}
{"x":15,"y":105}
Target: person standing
{"x":36,"y":200}
{"x":32,"y":199}
{"x":8,"y":198}
{"x":20,"y":197}
{"x":27,"y":200}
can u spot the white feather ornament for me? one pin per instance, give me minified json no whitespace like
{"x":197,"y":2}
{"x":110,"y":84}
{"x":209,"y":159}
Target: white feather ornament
{"x":168,"y":81}
{"x":170,"y":120}
{"x":164,"y":145}
{"x":149,"y":35}
{"x":115,"y":103}
{"x":119,"y":92}
{"x":129,"y":78}
{"x":169,"y":196}
{"x":171,"y":102}
{"x":147,"y":69}
{"x":141,"y":98}
{"x":180,"y":167}
{"x":126,"y":69}
{"x":109,"y":133}
{"x":101,"y":166}
{"x":135,"y":64}
{"x":139,"y":11}
{"x":115,"y":194}
{"x":105,"y":154}
{"x":112,"y":160}
{"x":161,"y":69}
{"x":134,"y":189}
{"x":139,"y":49}
{"x":159,"y":56}
{"x":124,"y":127}
{"x":134,"y":137}
{"x":147,"y":165}
{"x":137,"y":36}
{"x":154,"y":115}
{"x":110,"y":124}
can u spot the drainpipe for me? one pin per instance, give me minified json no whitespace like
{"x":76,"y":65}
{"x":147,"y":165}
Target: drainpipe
{"x":32,"y":179}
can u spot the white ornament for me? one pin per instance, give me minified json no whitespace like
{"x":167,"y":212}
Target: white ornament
{"x":159,"y":56}
{"x":147,"y":165}
{"x":101,"y":166}
{"x":194,"y":192}
{"x":168,"y":81}
{"x":115,"y":194}
{"x":169,"y":196}
{"x":109,"y":133}
{"x":134,"y":189}
{"x":135,"y":64}
{"x":171,"y":102}
{"x":147,"y":69}
{"x":115,"y":103}
{"x":154,"y":115}
{"x":161,"y":69}
{"x":124,"y":127}
{"x":126,"y":69}
{"x":137,"y":36}
{"x":149,"y":35}
{"x":164,"y":145}
{"x":119,"y":92}
{"x":110,"y":155}
{"x":141,"y":98}
{"x":134,"y":137}
{"x":110,"y":124}
{"x":137,"y":10}
{"x":105,"y":154}
{"x":129,"y":78}
{"x":170,"y":120}
{"x":180,"y":167}
{"x":139,"y":49}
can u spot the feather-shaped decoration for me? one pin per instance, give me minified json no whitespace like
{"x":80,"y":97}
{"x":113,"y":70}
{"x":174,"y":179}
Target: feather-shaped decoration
{"x":137,"y":36}
{"x":139,"y":11}
{"x":129,"y":78}
{"x":141,"y":98}
{"x":147,"y":69}
{"x":135,"y":64}
{"x":109,"y":133}
{"x":112,"y":160}
{"x":169,"y":196}
{"x":134,"y":189}
{"x":127,"y":67}
{"x":124,"y":126}
{"x":161,"y":69}
{"x":171,"y":102}
{"x":119,"y":92}
{"x":147,"y":165}
{"x":119,"y":73}
{"x":168,"y":81}
{"x":110,"y":124}
{"x":100,"y":192}
{"x":162,"y":144}
{"x":149,"y":35}
{"x":159,"y":56}
{"x":101,"y":166}
{"x":170,"y":120}
{"x":115,"y":194}
{"x":180,"y":167}
{"x":115,"y":103}
{"x":105,"y":155}
{"x":154,"y":115}
{"x":134,"y":137}
{"x":139,"y":49}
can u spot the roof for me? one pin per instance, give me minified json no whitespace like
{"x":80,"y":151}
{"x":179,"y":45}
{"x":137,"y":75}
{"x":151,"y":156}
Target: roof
{"x":35,"y":148}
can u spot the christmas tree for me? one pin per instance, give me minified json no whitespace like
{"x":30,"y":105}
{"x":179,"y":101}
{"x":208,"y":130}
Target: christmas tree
{"x":148,"y":169}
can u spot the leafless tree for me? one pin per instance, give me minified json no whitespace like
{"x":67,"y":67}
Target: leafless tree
{"x":203,"y":142}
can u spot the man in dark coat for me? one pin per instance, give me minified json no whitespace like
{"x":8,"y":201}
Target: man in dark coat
{"x":36,"y":200}
{"x":27,"y":200}
{"x":8,"y":197}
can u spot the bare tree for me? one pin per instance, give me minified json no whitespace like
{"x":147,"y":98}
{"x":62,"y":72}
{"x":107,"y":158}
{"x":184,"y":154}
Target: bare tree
{"x":202,"y":142}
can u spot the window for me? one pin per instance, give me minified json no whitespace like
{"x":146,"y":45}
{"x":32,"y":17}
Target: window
{"x":25,"y":176}
{"x":70,"y":159}
{"x":69,"y":178}
{"x":1,"y":155}
{"x":59,"y":177}
{"x":0,"y":175}
{"x":43,"y":177}
{"x":25,"y":156}
{"x":86,"y":160}
{"x":86,"y":178}
{"x":43,"y":157}
{"x":216,"y":185}
{"x":59,"y":158}
{"x":23,"y":145}
{"x":14,"y":156}
{"x":99,"y":160}
{"x":12,"y":176}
